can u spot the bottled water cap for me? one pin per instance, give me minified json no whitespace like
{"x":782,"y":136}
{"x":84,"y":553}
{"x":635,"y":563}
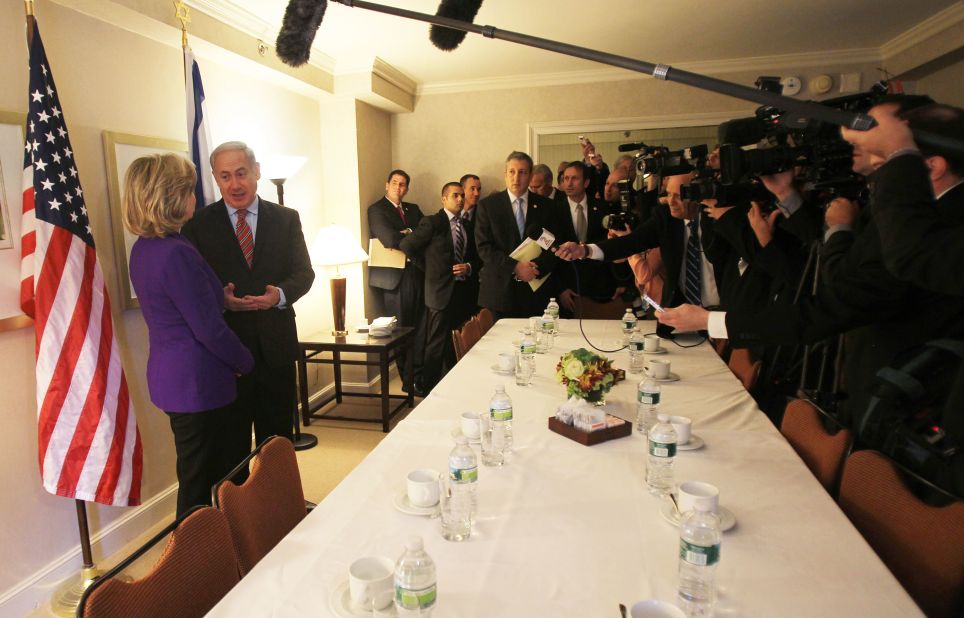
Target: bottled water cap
{"x":461,"y":439}
{"x":414,"y":543}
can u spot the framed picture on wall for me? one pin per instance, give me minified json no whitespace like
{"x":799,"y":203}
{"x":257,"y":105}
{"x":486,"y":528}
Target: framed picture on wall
{"x":121,"y":149}
{"x":11,"y":172}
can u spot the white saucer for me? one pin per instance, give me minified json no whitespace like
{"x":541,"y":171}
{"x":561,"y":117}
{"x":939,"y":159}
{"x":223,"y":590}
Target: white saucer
{"x":457,"y":431}
{"x":694,"y":444}
{"x":668,"y":511}
{"x":661,"y":351}
{"x":502,"y":372}
{"x":401,"y":503}
{"x":672,"y":377}
{"x":340,"y":603}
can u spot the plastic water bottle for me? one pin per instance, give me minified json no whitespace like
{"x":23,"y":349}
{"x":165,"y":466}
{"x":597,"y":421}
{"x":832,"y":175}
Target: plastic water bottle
{"x":636,"y":343}
{"x":699,"y":553}
{"x":415,"y":591}
{"x":662,"y":454}
{"x":553,"y":309}
{"x":647,"y":407}
{"x":464,"y":471}
{"x":548,"y":329}
{"x":527,"y":349}
{"x":500,"y":421}
{"x":628,"y":325}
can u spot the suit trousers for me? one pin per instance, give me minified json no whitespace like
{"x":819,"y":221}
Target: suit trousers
{"x":407,"y":303}
{"x":439,"y":353}
{"x":201,"y":458}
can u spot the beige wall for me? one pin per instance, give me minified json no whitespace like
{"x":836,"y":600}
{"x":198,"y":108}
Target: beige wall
{"x":944,"y":85}
{"x":111,"y":79}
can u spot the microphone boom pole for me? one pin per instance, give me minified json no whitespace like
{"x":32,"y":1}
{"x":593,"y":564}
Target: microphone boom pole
{"x":806,"y":109}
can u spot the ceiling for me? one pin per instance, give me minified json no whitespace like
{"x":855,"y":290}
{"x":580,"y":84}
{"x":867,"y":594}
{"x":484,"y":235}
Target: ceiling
{"x":679,"y":31}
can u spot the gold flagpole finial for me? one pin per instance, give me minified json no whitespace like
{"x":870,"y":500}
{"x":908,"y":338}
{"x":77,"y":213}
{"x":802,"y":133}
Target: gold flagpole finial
{"x":183,"y":14}
{"x":28,"y":7}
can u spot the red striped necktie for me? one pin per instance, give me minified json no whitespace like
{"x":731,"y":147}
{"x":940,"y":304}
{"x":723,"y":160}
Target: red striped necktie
{"x":245,"y":239}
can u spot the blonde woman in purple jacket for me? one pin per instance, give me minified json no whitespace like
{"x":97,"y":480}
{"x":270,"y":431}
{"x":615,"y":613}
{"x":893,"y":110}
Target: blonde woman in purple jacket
{"x":194,"y":357}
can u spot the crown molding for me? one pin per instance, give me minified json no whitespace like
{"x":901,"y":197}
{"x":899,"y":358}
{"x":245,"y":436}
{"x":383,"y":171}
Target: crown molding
{"x":240,"y":19}
{"x":924,"y":31}
{"x":713,"y":67}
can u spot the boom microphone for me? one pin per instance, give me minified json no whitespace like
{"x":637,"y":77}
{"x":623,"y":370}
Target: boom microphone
{"x":301,"y":21}
{"x":447,"y":39}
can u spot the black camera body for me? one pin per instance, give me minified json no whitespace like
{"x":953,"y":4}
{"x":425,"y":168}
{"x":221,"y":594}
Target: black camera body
{"x":625,"y":217}
{"x":663,"y":162}
{"x":709,"y":188}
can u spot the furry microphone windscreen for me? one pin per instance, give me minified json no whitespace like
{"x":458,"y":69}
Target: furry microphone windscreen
{"x":301,"y":21}
{"x":448,"y":39}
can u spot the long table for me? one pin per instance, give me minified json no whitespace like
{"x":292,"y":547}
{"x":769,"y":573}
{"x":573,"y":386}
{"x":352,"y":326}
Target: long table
{"x":569,"y":530}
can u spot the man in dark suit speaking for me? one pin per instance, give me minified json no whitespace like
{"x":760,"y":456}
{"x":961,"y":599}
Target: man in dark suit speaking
{"x":402,"y":290}
{"x":500,"y":226}
{"x":258,"y":251}
{"x":450,"y":259}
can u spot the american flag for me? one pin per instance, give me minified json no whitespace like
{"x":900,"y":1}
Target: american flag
{"x":89,"y":446}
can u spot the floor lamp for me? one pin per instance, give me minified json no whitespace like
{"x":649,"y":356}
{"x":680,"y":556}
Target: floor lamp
{"x":336,"y":246}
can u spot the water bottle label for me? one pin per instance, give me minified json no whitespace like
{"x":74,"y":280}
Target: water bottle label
{"x":650,"y":398}
{"x":629,"y":324}
{"x":415,"y":599}
{"x":699,"y":555}
{"x":464,"y":475}
{"x":636,"y":346}
{"x":527,"y":348}
{"x":554,"y":312}
{"x":548,"y":326}
{"x":659,"y":449}
{"x":504,"y":414}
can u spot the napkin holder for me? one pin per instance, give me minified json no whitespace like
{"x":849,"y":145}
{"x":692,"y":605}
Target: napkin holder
{"x":589,"y":438}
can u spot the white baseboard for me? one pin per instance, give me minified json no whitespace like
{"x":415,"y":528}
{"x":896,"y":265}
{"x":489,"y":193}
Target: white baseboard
{"x":125,"y":533}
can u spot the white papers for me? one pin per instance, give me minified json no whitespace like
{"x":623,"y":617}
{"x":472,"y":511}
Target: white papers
{"x":382,"y":327}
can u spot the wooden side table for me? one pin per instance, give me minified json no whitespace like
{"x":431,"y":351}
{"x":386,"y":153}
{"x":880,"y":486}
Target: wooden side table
{"x":387,"y":349}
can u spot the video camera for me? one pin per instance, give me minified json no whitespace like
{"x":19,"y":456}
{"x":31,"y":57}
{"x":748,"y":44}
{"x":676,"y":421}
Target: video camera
{"x":625,"y":216}
{"x":710,"y":188}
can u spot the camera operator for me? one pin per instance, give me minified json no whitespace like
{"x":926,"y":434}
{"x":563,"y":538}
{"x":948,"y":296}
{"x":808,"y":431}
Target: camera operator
{"x":881,"y":315}
{"x":682,"y":236}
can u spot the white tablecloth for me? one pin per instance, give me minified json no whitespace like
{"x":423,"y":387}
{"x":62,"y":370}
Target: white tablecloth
{"x":570,"y":530}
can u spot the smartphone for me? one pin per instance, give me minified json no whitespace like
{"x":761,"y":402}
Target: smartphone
{"x":652,"y":302}
{"x":583,"y":140}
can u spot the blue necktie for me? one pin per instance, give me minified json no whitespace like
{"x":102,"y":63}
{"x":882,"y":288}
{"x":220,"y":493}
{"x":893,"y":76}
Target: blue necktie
{"x":520,"y":217}
{"x":694,"y":265}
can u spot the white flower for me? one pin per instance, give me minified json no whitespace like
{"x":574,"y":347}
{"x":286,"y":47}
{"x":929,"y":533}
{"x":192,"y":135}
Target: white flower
{"x":573,"y":368}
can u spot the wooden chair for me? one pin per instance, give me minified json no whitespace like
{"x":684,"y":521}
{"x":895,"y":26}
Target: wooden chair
{"x":198,"y":567}
{"x":722,"y":348}
{"x":265,"y":508}
{"x":466,"y":337}
{"x":922,"y":545}
{"x":589,"y":309}
{"x":804,"y":427}
{"x":486,"y":320}
{"x":744,"y":367}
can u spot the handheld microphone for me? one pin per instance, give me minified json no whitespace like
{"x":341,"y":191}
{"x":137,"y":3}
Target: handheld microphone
{"x":447,"y":39}
{"x":543,"y":237}
{"x":301,"y":21}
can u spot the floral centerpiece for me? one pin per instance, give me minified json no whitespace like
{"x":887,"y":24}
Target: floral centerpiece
{"x":586,"y":375}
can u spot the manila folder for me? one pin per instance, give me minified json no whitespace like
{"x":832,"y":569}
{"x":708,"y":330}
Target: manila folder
{"x":528,"y":251}
{"x":378,"y":255}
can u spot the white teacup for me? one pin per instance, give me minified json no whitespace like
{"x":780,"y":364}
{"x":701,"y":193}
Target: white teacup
{"x":470,"y":425}
{"x":682,"y":425}
{"x":657,"y":368}
{"x":506,"y":361}
{"x":422,"y":487}
{"x":653,"y":608}
{"x":369,"y":579}
{"x":651,"y":343}
{"x":692,"y":493}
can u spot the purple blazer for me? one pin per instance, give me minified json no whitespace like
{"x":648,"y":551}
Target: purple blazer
{"x":194,"y":356}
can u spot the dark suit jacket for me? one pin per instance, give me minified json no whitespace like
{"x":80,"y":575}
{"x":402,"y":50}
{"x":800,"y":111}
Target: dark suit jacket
{"x":280,"y":259}
{"x":595,"y":279}
{"x":496,"y":236}
{"x":433,"y":240}
{"x":385,"y":224}
{"x":667,"y":232}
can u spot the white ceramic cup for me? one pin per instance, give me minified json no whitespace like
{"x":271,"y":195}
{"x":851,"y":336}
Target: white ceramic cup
{"x":470,"y":425}
{"x":651,"y":343}
{"x":422,"y":486}
{"x":682,"y":425}
{"x":692,"y":493}
{"x":657,"y":368}
{"x":506,"y":361}
{"x":383,"y":604}
{"x":369,"y":578}
{"x":653,"y":608}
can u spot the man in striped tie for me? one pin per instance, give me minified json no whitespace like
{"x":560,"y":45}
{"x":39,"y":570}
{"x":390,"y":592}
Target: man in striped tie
{"x":445,"y":239}
{"x":258,"y":251}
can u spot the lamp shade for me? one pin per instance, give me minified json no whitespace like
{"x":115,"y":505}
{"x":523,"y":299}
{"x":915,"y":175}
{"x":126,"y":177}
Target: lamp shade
{"x":275,"y":166}
{"x":335,"y":245}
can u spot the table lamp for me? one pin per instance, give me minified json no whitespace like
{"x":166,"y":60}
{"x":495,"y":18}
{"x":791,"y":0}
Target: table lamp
{"x":336,"y":246}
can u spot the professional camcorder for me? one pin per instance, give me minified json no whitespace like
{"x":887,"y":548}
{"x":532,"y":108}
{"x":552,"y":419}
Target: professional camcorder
{"x":710,"y":188}
{"x":625,"y":217}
